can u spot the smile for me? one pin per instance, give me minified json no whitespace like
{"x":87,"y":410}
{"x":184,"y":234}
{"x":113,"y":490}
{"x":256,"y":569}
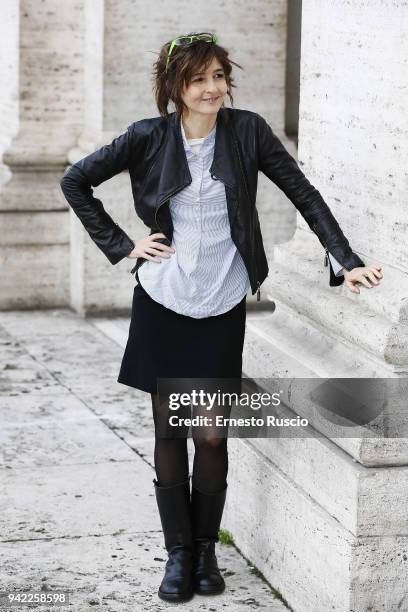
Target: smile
{"x":211,"y":99}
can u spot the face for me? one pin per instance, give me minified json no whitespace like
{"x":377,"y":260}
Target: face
{"x":206,"y":91}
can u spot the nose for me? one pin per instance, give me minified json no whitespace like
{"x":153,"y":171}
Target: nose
{"x":212,"y":86}
{"x":213,"y":91}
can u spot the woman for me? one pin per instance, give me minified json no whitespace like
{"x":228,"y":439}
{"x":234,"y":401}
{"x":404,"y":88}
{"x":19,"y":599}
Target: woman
{"x":194,"y":179}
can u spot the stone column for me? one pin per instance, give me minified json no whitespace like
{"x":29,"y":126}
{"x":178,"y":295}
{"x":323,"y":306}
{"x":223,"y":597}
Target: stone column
{"x":34,"y":242}
{"x":118,"y":91}
{"x":115,"y":95}
{"x":262,"y":88}
{"x":334,"y":535}
{"x":351,"y":147}
{"x":9,"y":30}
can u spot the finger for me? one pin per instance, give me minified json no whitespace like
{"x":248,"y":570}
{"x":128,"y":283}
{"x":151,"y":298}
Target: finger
{"x":376,"y":272}
{"x":164,"y":247}
{"x":362,"y":279}
{"x":372,"y":278}
{"x":352,"y":287}
{"x":159,"y":235}
{"x":150,"y":258}
{"x":156,"y":252}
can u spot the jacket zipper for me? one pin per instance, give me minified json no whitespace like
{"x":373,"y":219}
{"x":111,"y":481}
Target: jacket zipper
{"x":258,"y":292}
{"x":326,"y":253}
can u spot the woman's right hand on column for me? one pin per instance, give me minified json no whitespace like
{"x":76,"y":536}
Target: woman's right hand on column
{"x":150,"y":249}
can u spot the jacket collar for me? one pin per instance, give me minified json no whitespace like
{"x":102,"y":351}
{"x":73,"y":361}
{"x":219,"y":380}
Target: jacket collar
{"x":175,"y":174}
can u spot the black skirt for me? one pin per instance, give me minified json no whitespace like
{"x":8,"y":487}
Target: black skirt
{"x":165,"y":344}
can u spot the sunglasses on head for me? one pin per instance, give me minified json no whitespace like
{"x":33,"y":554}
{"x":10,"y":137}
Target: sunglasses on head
{"x":188,"y":39}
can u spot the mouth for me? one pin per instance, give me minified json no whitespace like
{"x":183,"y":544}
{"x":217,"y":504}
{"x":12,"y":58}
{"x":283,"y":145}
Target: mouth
{"x":211,"y":100}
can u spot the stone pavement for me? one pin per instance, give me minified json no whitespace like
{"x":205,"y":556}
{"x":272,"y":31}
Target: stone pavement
{"x":77,"y":509}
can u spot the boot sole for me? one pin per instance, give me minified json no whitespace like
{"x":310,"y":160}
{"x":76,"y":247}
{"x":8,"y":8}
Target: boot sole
{"x":176,"y":597}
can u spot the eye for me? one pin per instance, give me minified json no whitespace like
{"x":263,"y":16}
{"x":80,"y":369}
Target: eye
{"x":220,"y":74}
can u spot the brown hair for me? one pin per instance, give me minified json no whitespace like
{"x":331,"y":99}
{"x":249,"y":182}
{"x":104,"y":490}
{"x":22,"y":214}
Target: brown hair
{"x":185,"y":61}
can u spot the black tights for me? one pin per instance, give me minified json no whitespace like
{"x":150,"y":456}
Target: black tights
{"x":210,"y":465}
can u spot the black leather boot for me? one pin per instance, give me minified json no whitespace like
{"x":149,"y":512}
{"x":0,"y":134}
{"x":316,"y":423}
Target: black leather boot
{"x":175,"y":515}
{"x":207,"y":509}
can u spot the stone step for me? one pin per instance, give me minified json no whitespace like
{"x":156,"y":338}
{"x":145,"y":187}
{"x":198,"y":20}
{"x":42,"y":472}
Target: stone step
{"x":280,"y":344}
{"x":310,"y":556}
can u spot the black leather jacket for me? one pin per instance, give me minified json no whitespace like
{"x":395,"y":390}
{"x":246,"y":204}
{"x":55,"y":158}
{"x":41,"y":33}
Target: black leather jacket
{"x":152,"y":151}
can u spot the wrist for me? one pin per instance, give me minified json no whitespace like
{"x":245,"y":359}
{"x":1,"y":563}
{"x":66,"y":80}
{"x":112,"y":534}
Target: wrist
{"x":130,"y":254}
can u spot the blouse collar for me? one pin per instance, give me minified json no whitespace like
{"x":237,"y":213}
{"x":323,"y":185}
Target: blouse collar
{"x":207,"y":144}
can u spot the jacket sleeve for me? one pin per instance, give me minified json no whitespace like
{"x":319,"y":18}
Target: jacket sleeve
{"x":282,"y":169}
{"x":336,"y":266}
{"x":89,"y":172}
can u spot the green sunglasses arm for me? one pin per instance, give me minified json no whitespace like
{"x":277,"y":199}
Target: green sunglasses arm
{"x":174,"y":43}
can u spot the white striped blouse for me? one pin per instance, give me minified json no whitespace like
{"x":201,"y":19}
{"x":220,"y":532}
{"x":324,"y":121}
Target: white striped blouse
{"x":206,"y":275}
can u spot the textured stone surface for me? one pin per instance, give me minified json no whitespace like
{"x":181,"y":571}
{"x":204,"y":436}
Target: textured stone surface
{"x":327,"y":525}
{"x":9,"y":42}
{"x":46,"y":56}
{"x":292,"y":348}
{"x":35,"y":274}
{"x":122,"y":572}
{"x":334,"y":524}
{"x":353,"y":133}
{"x":41,"y":432}
{"x":311,"y":557}
{"x":78,"y":510}
{"x":51,"y":39}
{"x":351,"y":147}
{"x":334,"y":534}
{"x":79,"y":89}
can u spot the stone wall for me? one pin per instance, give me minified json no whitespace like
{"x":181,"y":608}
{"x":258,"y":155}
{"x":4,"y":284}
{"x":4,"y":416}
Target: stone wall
{"x":85,"y":74}
{"x":323,"y":516}
{"x":34,"y":245}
